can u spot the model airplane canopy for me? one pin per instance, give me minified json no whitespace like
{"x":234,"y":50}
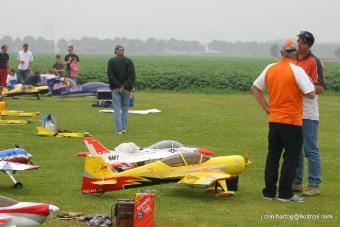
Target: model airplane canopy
{"x":129,"y":155}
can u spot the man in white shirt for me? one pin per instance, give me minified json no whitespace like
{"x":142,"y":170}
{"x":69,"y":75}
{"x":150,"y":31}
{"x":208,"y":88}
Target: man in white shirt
{"x":25,"y":59}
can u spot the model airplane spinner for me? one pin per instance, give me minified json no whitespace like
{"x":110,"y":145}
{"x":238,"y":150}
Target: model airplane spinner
{"x":129,"y":156}
{"x":16,"y":159}
{"x":23,"y":214}
{"x":184,"y":168}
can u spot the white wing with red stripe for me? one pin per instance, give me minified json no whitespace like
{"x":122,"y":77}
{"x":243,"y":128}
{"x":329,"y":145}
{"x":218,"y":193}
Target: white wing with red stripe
{"x":13,"y":166}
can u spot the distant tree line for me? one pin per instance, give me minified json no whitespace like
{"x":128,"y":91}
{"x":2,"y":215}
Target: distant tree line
{"x":152,"y":46}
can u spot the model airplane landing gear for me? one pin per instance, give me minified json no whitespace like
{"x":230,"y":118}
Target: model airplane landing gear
{"x":232,"y":183}
{"x":17,"y":185}
{"x":225,"y":192}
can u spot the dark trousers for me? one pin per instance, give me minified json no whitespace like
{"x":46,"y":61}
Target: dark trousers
{"x":289,"y":138}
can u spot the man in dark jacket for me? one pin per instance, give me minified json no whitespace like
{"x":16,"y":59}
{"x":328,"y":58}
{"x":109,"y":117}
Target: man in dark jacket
{"x":121,"y":75}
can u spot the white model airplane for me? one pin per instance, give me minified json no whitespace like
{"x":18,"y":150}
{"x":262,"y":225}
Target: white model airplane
{"x":128,"y":155}
{"x":23,"y":214}
{"x":13,"y":160}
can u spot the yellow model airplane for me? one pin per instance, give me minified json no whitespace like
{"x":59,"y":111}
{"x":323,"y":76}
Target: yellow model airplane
{"x":15,"y":113}
{"x":14,"y":122}
{"x":26,"y":90}
{"x":184,"y":168}
{"x":41,"y":131}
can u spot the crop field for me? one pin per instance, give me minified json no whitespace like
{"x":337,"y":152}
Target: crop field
{"x":186,"y":73}
{"x":225,"y":122}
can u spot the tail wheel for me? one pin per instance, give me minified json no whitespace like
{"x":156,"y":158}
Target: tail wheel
{"x":18,"y":185}
{"x":232,"y":183}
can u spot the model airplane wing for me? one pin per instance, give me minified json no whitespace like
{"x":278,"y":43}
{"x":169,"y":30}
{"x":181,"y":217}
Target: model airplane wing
{"x":203,"y":178}
{"x":13,"y":166}
{"x":4,"y":219}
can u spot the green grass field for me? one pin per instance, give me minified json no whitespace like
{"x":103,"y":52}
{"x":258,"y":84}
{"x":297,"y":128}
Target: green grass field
{"x":226,"y":124}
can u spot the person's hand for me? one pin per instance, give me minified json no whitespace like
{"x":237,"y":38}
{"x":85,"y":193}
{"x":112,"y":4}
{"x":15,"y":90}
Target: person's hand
{"x":266,"y":109}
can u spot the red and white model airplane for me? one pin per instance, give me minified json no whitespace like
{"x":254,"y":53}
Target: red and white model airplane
{"x":13,"y":160}
{"x":23,"y":214}
{"x":128,"y":155}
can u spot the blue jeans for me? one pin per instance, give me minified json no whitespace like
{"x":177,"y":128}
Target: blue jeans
{"x":120,"y":103}
{"x":311,"y":152}
{"x":22,"y":75}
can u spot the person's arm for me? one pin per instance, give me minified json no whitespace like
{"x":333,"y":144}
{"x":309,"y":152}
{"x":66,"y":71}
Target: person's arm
{"x":110,"y":74}
{"x":260,"y":98}
{"x":317,"y":72}
{"x":30,"y":63}
{"x":18,"y":58}
{"x":304,"y":82}
{"x":8,"y":66}
{"x":131,"y":75}
{"x":257,"y":89}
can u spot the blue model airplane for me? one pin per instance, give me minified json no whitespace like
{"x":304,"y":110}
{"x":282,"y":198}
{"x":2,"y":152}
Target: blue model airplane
{"x":89,"y":89}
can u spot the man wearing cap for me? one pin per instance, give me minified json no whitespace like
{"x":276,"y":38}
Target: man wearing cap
{"x":121,"y":75}
{"x":68,"y":58}
{"x":286,"y":84}
{"x":314,"y":69}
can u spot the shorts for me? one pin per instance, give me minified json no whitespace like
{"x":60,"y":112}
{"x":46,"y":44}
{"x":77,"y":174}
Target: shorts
{"x":3,"y":77}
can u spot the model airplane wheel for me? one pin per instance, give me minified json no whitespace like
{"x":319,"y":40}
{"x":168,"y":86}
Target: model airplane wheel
{"x":18,"y":185}
{"x":232,"y":183}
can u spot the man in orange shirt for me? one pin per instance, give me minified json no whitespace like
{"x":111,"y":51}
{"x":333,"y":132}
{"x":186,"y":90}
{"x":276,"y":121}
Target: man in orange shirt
{"x":286,"y":84}
{"x":314,"y":69}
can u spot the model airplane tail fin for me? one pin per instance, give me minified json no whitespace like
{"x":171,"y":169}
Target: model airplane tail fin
{"x":94,"y":146}
{"x":96,"y":170}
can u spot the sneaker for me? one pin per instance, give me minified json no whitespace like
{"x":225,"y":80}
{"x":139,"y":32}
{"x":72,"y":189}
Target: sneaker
{"x":294,"y":198}
{"x":311,"y":191}
{"x":297,"y":187}
{"x":119,"y":132}
{"x":270,"y":198}
{"x":124,"y":131}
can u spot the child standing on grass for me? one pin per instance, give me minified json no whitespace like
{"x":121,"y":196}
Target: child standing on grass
{"x":58,"y":66}
{"x":74,"y":69}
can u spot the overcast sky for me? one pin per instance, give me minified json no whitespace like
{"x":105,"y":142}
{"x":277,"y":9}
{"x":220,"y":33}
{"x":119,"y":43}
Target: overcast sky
{"x":202,"y":20}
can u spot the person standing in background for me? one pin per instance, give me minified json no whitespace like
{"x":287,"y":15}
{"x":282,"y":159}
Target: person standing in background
{"x":67,"y":59}
{"x":315,"y":70}
{"x":58,"y":66}
{"x":25,"y":59}
{"x":122,"y":76}
{"x":74,"y":70}
{"x":4,"y":68}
